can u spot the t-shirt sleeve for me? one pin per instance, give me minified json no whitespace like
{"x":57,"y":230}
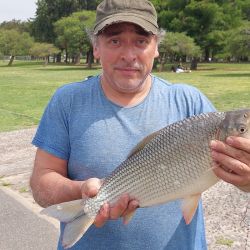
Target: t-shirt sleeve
{"x":193,"y":99}
{"x":52,"y":134}
{"x":203,"y":104}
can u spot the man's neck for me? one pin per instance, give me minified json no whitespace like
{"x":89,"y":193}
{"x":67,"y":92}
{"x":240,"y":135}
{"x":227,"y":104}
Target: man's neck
{"x":127,"y":99}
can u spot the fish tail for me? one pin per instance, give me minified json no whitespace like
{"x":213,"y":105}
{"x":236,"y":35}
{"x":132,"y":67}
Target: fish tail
{"x":77,"y":221}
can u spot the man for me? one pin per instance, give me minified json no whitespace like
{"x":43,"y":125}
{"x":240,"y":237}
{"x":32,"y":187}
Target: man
{"x":90,"y":127}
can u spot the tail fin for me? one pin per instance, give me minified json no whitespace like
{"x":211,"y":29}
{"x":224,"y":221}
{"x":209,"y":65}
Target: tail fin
{"x":77,"y":222}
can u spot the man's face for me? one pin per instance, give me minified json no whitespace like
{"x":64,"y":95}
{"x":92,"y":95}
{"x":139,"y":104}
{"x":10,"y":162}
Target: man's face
{"x":126,"y":53}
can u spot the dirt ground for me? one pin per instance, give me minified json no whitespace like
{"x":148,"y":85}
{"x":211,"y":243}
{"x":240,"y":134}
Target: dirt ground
{"x":226,"y":209}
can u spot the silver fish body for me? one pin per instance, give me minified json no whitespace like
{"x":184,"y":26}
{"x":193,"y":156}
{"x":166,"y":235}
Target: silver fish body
{"x":174,"y":159}
{"x":172,"y":163}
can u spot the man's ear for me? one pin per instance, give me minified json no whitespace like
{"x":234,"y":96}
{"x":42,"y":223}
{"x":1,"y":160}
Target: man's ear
{"x":96,"y":51}
{"x":156,"y":48}
{"x":156,"y":52}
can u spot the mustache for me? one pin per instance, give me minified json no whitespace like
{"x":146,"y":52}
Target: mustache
{"x":128,"y":66}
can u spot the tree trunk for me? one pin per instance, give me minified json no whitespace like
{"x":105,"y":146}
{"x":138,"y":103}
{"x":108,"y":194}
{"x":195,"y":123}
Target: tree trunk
{"x":194,"y":63}
{"x":59,"y":57}
{"x":46,"y":61}
{"x":90,"y":58}
{"x":207,"y":54}
{"x":77,"y":58}
{"x":66,"y":56}
{"x":11,"y":60}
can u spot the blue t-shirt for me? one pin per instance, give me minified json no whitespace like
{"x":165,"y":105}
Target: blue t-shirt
{"x":95,"y":135}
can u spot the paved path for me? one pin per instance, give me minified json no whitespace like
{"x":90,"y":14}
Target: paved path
{"x":21,"y":228}
{"x":226,"y":209}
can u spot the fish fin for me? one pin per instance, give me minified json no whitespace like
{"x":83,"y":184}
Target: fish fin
{"x":66,"y":211}
{"x":142,"y":144}
{"x":189,"y":207}
{"x":75,"y":229}
{"x":127,"y":218}
{"x":77,"y":221}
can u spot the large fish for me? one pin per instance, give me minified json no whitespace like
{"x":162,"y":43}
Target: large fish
{"x":172,"y":163}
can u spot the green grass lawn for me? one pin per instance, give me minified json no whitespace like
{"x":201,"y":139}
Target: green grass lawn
{"x":26,"y":87}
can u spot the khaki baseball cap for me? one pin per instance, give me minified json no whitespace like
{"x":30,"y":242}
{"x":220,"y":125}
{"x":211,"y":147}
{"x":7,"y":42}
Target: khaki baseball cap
{"x":140,"y":12}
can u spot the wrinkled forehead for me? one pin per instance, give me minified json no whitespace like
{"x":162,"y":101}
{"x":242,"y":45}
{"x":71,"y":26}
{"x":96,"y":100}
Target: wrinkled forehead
{"x":118,"y":28}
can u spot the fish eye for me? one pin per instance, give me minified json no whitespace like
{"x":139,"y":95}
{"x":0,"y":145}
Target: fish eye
{"x":242,"y":129}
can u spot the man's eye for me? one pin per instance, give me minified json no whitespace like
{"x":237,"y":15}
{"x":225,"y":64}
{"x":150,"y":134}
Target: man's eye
{"x":115,"y":41}
{"x":142,"y":42}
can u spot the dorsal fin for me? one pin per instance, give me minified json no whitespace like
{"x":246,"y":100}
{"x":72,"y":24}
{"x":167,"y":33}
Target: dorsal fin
{"x":142,"y":144}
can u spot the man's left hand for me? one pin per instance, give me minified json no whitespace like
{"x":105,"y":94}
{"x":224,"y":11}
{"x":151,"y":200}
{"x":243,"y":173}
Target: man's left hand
{"x":233,"y":161}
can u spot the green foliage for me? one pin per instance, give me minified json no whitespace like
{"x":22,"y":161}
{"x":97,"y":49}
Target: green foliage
{"x":176,"y":46}
{"x":238,"y":42}
{"x":43,"y":50}
{"x":14,"y":43}
{"x":245,"y":8}
{"x":18,"y":25}
{"x":205,"y":21}
{"x":211,"y":23}
{"x":48,"y":12}
{"x":72,"y":32}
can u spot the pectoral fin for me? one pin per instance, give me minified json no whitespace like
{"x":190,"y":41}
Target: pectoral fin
{"x":189,"y":207}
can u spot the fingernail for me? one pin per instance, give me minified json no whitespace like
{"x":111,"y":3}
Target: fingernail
{"x":229,"y":140}
{"x":135,"y":204}
{"x":213,"y":144}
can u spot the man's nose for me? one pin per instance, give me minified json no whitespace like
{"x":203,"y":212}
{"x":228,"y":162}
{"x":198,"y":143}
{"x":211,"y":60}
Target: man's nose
{"x":128,"y":54}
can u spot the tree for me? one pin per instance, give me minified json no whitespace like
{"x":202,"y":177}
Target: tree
{"x":238,"y":43}
{"x":205,"y":21}
{"x":176,"y":46}
{"x":21,"y":26}
{"x":43,"y":50}
{"x":48,"y":12}
{"x":72,"y":34}
{"x":14,"y":43}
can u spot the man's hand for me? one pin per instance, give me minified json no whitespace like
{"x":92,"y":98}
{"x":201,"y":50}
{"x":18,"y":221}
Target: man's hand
{"x":122,"y":208}
{"x":233,"y":161}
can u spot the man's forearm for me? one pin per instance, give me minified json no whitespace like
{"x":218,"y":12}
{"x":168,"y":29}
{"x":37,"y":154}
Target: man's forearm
{"x":53,"y":188}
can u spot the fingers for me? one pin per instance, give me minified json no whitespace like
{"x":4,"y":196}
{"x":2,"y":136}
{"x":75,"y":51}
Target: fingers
{"x":231,"y":165}
{"x":239,"y":142}
{"x":91,"y":187}
{"x":129,"y":212}
{"x":233,"y":160}
{"x":121,"y":208}
{"x":230,"y":177}
{"x":132,"y":206}
{"x":102,"y":216}
{"x":235,"y":147}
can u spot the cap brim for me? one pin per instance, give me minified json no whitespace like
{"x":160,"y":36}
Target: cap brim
{"x":130,"y":18}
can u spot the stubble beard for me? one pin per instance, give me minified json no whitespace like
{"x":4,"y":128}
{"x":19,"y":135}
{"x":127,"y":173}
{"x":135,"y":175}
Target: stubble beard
{"x":118,"y":86}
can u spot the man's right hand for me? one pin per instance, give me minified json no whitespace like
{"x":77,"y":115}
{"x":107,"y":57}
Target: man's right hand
{"x":124,"y":206}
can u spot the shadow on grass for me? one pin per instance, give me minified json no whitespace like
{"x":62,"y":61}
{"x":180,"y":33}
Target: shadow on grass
{"x":230,"y":75}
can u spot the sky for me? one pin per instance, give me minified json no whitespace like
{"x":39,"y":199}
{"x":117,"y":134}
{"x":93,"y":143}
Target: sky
{"x":17,"y":9}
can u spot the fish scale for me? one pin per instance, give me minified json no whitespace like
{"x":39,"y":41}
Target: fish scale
{"x":170,"y":164}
